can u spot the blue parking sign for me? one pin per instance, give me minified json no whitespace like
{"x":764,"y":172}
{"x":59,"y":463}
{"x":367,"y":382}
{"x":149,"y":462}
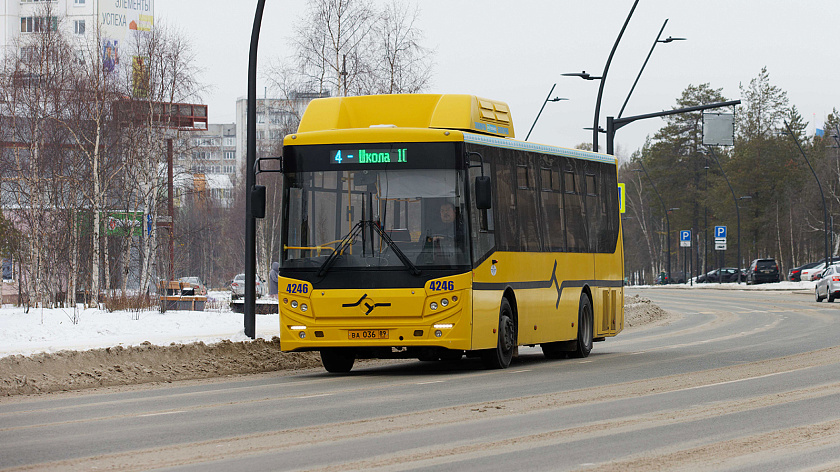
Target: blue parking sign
{"x":720,"y":231}
{"x":685,"y":235}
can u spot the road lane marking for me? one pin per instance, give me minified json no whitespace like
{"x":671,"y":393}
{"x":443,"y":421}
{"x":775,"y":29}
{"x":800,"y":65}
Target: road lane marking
{"x":312,"y":396}
{"x":432,"y":382}
{"x":161,"y":413}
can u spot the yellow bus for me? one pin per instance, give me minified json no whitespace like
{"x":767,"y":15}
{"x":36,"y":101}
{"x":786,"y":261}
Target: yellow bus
{"x":415,"y":226}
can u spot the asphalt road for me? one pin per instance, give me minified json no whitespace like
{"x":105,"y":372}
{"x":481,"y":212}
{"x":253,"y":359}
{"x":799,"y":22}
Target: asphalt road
{"x":735,"y":381}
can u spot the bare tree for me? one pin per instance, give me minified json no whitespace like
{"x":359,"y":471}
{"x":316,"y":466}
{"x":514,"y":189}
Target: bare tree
{"x":401,"y":64}
{"x":163,"y":73}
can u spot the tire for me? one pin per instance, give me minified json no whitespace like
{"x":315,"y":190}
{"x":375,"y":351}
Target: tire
{"x":337,"y":360}
{"x":586,"y":322}
{"x":817,"y":295}
{"x":830,"y":298}
{"x":500,"y":357}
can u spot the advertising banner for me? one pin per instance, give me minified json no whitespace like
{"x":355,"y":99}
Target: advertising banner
{"x":116,"y":19}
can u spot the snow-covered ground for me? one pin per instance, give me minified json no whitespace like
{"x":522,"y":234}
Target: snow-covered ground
{"x":51,"y":330}
{"x":807,"y":285}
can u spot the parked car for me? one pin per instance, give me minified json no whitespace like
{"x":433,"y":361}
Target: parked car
{"x":730,"y":274}
{"x":195,"y":285}
{"x":763,"y":270}
{"x":828,"y":286}
{"x":795,"y":274}
{"x":237,"y":287}
{"x":812,"y":273}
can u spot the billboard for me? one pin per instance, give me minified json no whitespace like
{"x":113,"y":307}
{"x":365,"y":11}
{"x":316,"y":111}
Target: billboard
{"x":120,"y":223}
{"x":116,"y":19}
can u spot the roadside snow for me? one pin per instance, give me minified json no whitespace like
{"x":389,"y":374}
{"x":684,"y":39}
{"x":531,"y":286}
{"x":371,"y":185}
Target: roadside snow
{"x":806,"y":285}
{"x":51,"y":330}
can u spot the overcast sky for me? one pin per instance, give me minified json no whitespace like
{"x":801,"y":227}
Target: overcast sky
{"x":515,"y":51}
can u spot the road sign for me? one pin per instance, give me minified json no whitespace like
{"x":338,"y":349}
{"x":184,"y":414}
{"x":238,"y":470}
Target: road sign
{"x":720,"y":246}
{"x":720,"y":232}
{"x":685,"y":238}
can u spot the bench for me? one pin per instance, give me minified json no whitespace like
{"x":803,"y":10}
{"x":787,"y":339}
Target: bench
{"x":177,"y":295}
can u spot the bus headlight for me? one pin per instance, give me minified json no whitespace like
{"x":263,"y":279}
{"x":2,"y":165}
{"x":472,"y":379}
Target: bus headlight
{"x":304,"y":307}
{"x":444,"y":302}
{"x":294,"y":304}
{"x":433,"y":305}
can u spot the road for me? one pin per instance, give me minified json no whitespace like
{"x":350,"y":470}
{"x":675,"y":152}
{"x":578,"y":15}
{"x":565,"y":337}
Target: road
{"x":738,"y":380}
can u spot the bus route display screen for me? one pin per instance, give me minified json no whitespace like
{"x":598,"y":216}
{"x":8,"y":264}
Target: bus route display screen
{"x":368,"y":156}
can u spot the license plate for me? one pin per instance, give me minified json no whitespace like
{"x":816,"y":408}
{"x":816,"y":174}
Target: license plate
{"x":368,"y":334}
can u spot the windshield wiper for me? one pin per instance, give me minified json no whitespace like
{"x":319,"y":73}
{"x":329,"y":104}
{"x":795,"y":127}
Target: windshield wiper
{"x":390,"y":242}
{"x":358,"y":228}
{"x":354,"y":231}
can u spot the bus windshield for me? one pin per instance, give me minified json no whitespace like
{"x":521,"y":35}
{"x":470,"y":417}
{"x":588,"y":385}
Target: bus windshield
{"x":380,"y":217}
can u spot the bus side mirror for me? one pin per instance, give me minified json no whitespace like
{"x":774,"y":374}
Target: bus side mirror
{"x":482,"y":193}
{"x":258,"y":201}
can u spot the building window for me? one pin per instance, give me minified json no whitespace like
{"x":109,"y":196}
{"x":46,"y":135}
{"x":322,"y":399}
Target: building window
{"x":230,"y":154}
{"x":38,"y":24}
{"x":230,"y":141}
{"x":228,"y":169}
{"x":78,"y":2}
{"x":79,"y":26}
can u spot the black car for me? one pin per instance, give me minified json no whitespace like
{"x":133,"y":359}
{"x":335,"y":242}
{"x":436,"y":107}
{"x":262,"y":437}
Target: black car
{"x":762,"y":271}
{"x":730,"y":274}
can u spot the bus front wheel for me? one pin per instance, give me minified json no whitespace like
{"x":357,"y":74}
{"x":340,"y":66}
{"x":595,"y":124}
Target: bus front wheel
{"x":338,"y":361}
{"x":500,"y":357}
{"x":586,"y":324}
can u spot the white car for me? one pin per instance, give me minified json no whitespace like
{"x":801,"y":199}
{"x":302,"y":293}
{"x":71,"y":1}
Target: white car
{"x":829,"y":284}
{"x":237,"y":287}
{"x":814,"y":272}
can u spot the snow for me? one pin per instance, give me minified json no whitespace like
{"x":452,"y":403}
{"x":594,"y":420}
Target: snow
{"x":51,"y":330}
{"x":805,"y":285}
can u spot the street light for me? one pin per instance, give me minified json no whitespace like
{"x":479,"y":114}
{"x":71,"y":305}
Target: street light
{"x":822,"y":195}
{"x":603,"y":79}
{"x":250,"y":180}
{"x":655,"y":42}
{"x":547,"y":99}
{"x":667,"y":219}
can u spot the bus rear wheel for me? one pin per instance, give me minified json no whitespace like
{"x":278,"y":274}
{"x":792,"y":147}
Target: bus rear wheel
{"x":337,"y":360}
{"x":586,"y":324}
{"x":500,"y":357}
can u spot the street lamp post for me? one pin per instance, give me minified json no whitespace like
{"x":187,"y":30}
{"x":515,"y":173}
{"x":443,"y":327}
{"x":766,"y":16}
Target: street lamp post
{"x":822,"y":195}
{"x":603,"y":79}
{"x":251,"y":180}
{"x":655,"y":42}
{"x":667,"y":219}
{"x":547,"y":99}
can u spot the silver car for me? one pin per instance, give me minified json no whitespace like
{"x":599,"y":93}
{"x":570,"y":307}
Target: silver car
{"x":237,"y":287}
{"x":828,"y":286}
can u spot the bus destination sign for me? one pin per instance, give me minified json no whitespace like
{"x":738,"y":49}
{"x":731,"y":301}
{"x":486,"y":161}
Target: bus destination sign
{"x":368,"y":156}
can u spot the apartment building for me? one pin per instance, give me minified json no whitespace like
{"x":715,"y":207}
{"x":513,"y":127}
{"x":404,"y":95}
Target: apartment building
{"x":79,"y":18}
